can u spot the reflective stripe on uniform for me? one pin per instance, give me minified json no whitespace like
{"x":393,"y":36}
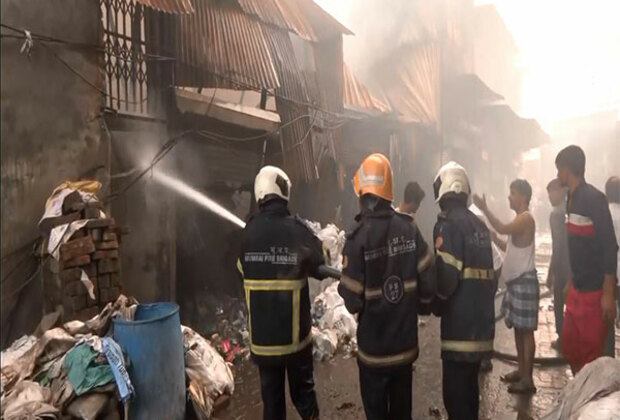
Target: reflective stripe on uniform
{"x":352,"y":284}
{"x":239,"y":266}
{"x":408,"y":356}
{"x":280,"y":285}
{"x":450,"y":259}
{"x":478,"y":273}
{"x":274,"y":285}
{"x":377,"y":292}
{"x":465,"y":346}
{"x":281,"y":350}
{"x":426,"y":261}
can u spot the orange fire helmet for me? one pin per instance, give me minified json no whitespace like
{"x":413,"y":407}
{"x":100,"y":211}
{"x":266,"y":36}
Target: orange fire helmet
{"x":374,"y":176}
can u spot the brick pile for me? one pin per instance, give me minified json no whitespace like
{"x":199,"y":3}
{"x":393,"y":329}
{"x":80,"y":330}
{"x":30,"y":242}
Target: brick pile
{"x":93,"y":249}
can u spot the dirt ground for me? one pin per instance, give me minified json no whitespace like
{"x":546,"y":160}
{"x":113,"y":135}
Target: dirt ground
{"x":337,"y":380}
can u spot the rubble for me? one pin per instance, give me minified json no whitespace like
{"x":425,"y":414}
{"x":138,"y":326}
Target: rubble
{"x":78,"y":370}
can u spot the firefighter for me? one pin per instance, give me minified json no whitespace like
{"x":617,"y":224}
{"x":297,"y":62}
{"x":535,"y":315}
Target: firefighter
{"x":278,"y":253}
{"x":466,"y":285}
{"x":387,"y":273}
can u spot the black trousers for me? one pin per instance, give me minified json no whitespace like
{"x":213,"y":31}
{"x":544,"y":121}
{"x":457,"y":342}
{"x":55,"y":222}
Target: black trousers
{"x":460,"y":390}
{"x":301,"y":388}
{"x":387,"y":394}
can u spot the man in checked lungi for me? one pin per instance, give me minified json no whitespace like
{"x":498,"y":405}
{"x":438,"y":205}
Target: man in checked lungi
{"x":520,"y":304}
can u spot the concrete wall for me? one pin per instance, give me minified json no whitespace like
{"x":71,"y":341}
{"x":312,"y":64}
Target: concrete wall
{"x":51,"y":131}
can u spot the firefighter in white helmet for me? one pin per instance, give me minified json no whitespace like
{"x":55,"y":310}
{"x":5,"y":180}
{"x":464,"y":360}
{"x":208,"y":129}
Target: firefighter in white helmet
{"x":466,"y":285}
{"x":387,"y":277}
{"x":278,"y":253}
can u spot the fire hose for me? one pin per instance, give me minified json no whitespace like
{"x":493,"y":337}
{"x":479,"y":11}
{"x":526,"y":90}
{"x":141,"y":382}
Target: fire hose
{"x":328,"y":271}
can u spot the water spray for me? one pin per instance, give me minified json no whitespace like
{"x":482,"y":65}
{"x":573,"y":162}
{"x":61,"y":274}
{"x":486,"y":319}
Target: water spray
{"x":201,"y":199}
{"x":196,"y":196}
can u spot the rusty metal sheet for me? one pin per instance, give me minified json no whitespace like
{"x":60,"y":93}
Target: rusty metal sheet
{"x":358,"y":97}
{"x":411,"y":82}
{"x":221,"y":46}
{"x":169,"y":6}
{"x":297,"y":123}
{"x":303,"y":17}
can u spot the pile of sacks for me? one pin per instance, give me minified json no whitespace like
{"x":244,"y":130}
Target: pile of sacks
{"x":594,"y":393}
{"x":77,"y":370}
{"x":334,"y":328}
{"x":69,"y":370}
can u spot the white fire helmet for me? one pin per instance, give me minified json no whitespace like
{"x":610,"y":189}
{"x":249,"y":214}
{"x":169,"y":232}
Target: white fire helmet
{"x":451,"y":178}
{"x":272,"y":181}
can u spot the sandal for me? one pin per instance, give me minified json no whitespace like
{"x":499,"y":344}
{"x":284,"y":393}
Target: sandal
{"x":522,"y":388}
{"x":512,"y":377}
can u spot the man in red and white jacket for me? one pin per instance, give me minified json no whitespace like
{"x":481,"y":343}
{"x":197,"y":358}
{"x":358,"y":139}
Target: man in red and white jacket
{"x":591,"y":292}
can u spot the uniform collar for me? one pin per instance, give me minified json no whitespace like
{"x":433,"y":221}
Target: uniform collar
{"x":275,"y":207}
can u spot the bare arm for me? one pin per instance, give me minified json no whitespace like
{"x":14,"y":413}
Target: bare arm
{"x":518,"y":226}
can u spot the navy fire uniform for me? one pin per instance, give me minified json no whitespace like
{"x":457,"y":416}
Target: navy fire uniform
{"x":387,"y":274}
{"x":466,"y":286}
{"x":278,"y":254}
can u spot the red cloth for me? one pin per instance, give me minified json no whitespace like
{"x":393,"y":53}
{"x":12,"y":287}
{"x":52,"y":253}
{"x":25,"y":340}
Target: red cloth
{"x":584,"y":332}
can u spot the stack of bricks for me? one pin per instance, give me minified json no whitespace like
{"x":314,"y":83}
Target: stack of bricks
{"x":94,"y":249}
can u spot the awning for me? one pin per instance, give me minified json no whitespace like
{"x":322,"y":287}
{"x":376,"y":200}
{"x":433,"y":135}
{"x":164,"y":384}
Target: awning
{"x":241,"y":115}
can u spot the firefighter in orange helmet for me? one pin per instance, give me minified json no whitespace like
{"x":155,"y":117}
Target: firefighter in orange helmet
{"x":387,"y":277}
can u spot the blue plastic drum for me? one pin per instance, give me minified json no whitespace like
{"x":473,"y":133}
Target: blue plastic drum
{"x":154,"y":343}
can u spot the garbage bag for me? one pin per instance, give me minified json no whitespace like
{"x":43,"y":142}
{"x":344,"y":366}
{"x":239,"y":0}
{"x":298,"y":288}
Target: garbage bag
{"x":87,"y":369}
{"x":209,"y":375}
{"x":325,"y":344}
{"x":331,"y":314}
{"x":587,"y":394}
{"x":606,"y":408}
{"x":89,"y":407}
{"x":28,"y":400}
{"x":52,"y":345}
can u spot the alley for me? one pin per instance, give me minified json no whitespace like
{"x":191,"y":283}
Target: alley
{"x":338,"y":384}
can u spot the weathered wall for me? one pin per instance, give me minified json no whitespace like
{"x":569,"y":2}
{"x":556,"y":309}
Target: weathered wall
{"x":147,"y":210}
{"x":51,"y":131}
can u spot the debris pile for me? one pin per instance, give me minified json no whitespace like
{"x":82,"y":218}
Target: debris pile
{"x":334,"y":328}
{"x":231,"y":337}
{"x":209,"y":376}
{"x":78,"y":370}
{"x":67,"y":370}
{"x":83,"y":273}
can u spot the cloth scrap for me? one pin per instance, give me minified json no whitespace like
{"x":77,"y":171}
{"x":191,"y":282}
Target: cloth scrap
{"x":85,"y":371}
{"x":114,"y":354}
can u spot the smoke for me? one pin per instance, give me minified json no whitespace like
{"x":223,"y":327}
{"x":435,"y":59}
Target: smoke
{"x":199,"y":198}
{"x":381,"y":28}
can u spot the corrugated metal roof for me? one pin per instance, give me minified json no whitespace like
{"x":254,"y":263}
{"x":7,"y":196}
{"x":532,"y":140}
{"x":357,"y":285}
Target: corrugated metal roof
{"x":169,"y":6}
{"x":411,"y":82}
{"x":296,"y":136}
{"x":221,"y":46}
{"x":303,"y":17}
{"x":358,"y":97}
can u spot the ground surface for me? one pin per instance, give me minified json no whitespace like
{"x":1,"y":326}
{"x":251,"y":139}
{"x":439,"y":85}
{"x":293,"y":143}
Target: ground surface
{"x":337,"y":380}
